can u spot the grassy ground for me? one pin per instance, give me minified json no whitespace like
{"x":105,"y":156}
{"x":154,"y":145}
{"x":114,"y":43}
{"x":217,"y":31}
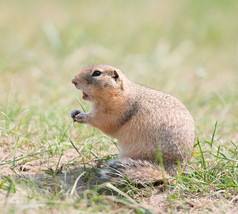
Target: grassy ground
{"x":186,"y":48}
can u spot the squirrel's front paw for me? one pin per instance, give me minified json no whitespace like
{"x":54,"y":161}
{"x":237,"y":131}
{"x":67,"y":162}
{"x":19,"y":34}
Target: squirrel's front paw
{"x":81,"y":118}
{"x":74,"y":113}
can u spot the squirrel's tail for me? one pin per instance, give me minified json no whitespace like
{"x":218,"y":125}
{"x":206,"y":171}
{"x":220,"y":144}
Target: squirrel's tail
{"x":136,"y":171}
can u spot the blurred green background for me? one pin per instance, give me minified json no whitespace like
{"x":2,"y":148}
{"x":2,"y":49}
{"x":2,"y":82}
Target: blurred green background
{"x":186,"y":48}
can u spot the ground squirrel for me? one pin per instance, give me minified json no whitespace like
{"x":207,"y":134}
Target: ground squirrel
{"x":145,"y":122}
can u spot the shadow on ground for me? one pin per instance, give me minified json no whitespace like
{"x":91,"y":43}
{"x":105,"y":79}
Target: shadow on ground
{"x":75,"y":180}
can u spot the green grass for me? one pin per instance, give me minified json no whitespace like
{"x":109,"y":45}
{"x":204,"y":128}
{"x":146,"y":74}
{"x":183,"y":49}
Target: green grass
{"x":186,"y":48}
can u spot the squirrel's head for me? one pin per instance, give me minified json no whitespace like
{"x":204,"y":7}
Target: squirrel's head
{"x":99,"y":82}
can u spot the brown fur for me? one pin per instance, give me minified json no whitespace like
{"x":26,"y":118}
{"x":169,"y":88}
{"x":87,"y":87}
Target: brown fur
{"x":144,"y":121}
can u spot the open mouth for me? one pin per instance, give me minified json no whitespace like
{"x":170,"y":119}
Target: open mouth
{"x":85,"y":96}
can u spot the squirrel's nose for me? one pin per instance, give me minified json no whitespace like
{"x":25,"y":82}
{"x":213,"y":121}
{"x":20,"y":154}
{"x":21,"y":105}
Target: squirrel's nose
{"x":74,"y":81}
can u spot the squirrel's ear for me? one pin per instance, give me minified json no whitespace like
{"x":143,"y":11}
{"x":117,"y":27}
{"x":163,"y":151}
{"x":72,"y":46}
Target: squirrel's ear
{"x":115,"y":75}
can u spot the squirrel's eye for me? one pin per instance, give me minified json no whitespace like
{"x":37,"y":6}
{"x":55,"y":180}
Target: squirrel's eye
{"x":96,"y":73}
